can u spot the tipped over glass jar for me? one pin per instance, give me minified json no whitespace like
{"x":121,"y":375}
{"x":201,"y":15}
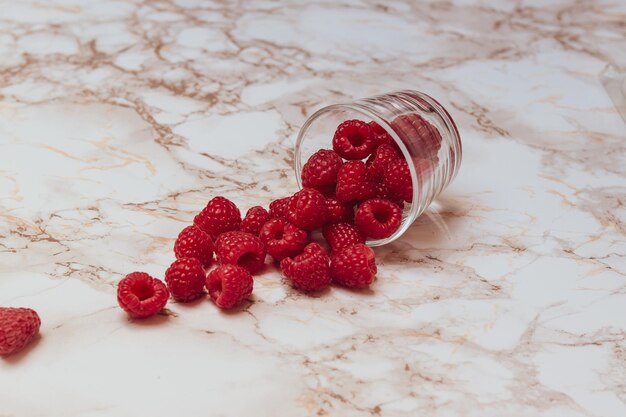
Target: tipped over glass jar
{"x":402,"y":147}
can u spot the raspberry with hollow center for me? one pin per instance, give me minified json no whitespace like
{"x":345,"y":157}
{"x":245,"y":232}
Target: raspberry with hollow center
{"x":253,"y":221}
{"x":424,"y":137}
{"x":339,"y":212}
{"x":194,"y":243}
{"x":320,"y":171}
{"x":277,"y":208}
{"x":141,"y":295}
{"x":353,"y":183}
{"x":397,"y":180}
{"x":241,"y":248}
{"x":354,"y":266}
{"x":379,"y":160}
{"x":185,"y":279}
{"x":353,"y":140}
{"x":282,"y":239}
{"x":309,"y":271}
{"x":342,"y":235}
{"x":377,"y":218}
{"x":307,"y":210}
{"x":229,"y":285}
{"x":18,"y":327}
{"x":220,"y":215}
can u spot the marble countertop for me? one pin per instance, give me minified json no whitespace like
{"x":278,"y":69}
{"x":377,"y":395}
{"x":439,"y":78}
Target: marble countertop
{"x":119,"y":120}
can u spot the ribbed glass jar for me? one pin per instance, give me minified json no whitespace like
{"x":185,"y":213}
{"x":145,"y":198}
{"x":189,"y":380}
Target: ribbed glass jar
{"x":422,"y":129}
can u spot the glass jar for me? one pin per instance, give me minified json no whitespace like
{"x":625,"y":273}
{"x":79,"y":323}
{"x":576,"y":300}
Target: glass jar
{"x":422,"y":129}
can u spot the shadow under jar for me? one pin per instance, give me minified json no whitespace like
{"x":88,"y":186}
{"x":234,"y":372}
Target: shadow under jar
{"x":423,"y":130}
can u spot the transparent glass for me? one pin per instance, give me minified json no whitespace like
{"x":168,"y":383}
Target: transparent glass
{"x":422,"y":129}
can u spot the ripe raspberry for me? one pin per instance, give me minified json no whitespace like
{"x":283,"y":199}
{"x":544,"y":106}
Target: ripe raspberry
{"x":309,"y":271}
{"x":307,"y":210}
{"x":18,"y":326}
{"x":194,"y":243}
{"x":397,"y":179}
{"x":283,"y":239}
{"x":320,"y":171}
{"x":229,"y":285}
{"x":339,"y":212}
{"x":220,"y":215}
{"x":378,"y":161}
{"x":185,"y":279}
{"x":378,"y":219}
{"x":140,"y":295}
{"x":353,"y":139}
{"x":354,"y":266}
{"x":381,"y":136}
{"x":277,"y":208}
{"x":424,"y":138}
{"x":353,"y":183}
{"x":240,"y":248}
{"x":254,"y":220}
{"x":342,"y":235}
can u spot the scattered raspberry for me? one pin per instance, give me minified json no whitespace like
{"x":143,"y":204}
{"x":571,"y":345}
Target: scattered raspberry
{"x":353,"y":183}
{"x":254,"y":220}
{"x":307,"y":210}
{"x":220,"y":215}
{"x":377,"y":218}
{"x":185,"y":279}
{"x":339,"y":212}
{"x":354,"y":266}
{"x":282,"y":239}
{"x":309,"y":271}
{"x":380,"y":135}
{"x":320,"y":171}
{"x":277,"y":208}
{"x":229,"y":285}
{"x":379,"y":160}
{"x":353,"y":139}
{"x":141,"y":296}
{"x":18,"y":326}
{"x":423,"y":137}
{"x":342,"y":235}
{"x":398,"y":181}
{"x":240,"y":248}
{"x":194,"y":243}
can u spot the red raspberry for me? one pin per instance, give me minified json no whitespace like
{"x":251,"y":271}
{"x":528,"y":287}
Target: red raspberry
{"x":342,"y":235}
{"x":309,"y":271}
{"x":378,"y":161}
{"x":353,"y":139}
{"x":353,"y":183}
{"x":220,"y":215}
{"x":377,"y":218}
{"x":18,"y":326}
{"x":339,"y":212}
{"x":240,"y":248}
{"x":254,"y":220}
{"x":185,"y":279}
{"x":354,"y":266}
{"x":283,"y":239}
{"x":381,"y":136}
{"x":277,"y":208}
{"x":194,"y":243}
{"x":307,"y":209}
{"x":140,"y":295}
{"x":397,"y":179}
{"x":229,"y":285}
{"x":320,"y":171}
{"x":422,"y":137}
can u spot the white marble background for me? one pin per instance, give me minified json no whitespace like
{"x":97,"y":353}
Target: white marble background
{"x":119,"y":120}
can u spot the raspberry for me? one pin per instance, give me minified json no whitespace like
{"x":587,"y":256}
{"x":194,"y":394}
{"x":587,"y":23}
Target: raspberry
{"x":381,"y":136}
{"x":320,"y":171}
{"x":229,"y":285}
{"x":342,"y":235}
{"x":397,"y":179}
{"x":309,"y":271}
{"x":240,"y":248}
{"x":354,"y":266}
{"x":220,"y":215}
{"x":353,"y":183}
{"x":379,"y":160}
{"x":277,"y":207}
{"x":194,"y":243}
{"x":423,"y":137}
{"x":339,"y":212}
{"x":18,"y":326}
{"x":140,"y":295}
{"x":307,"y":210}
{"x":185,"y":279}
{"x":282,"y":239}
{"x":378,"y":218}
{"x":255,"y":218}
{"x":353,"y":139}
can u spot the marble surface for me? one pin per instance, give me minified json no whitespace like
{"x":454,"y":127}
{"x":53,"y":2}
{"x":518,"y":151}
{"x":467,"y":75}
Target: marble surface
{"x":119,"y":120}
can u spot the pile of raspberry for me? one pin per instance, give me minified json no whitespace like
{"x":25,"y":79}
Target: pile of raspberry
{"x":351,"y":193}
